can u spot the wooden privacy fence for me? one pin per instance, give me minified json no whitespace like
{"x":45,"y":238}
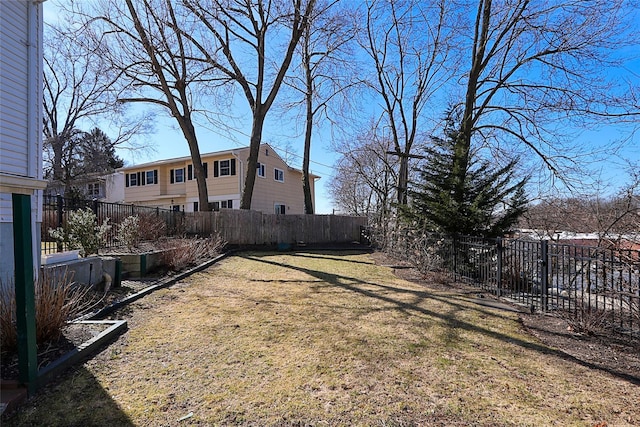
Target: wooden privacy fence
{"x":242,"y":227}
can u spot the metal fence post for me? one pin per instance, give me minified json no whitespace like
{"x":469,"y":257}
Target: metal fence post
{"x":499,"y":265}
{"x":25,"y":291}
{"x":59,"y":206}
{"x":544,"y":273}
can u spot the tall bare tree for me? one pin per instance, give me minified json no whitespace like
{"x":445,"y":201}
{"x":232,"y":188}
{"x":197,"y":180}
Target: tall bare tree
{"x":251,"y":43}
{"x":409,"y":44}
{"x":539,"y":67}
{"x":144,"y":42}
{"x":78,"y":93}
{"x":325,"y":75}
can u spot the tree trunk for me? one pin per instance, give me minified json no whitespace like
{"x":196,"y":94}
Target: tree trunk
{"x":252,"y":162}
{"x":306,"y":184}
{"x":463,"y":141}
{"x":403,"y":179}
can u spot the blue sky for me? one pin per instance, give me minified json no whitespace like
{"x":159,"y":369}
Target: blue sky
{"x":283,"y":134}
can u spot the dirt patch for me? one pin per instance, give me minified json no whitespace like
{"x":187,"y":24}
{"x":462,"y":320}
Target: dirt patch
{"x":73,"y":335}
{"x":613,"y":353}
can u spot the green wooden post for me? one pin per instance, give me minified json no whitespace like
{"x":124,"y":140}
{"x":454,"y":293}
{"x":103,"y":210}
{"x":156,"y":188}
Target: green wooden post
{"x":25,"y":292}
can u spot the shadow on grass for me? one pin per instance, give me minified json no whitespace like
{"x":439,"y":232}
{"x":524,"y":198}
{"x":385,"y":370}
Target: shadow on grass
{"x":76,"y":399}
{"x":353,"y":284}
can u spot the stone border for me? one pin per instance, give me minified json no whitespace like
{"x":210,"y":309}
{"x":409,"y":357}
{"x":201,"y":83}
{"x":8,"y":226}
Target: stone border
{"x":83,"y":350}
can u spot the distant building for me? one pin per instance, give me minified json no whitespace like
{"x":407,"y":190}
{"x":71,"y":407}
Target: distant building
{"x":104,"y":187}
{"x":20,"y":121}
{"x":171,"y":183}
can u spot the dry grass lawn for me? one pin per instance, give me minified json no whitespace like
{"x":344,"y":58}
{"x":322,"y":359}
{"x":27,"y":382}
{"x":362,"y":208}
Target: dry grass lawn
{"x":320,"y":338}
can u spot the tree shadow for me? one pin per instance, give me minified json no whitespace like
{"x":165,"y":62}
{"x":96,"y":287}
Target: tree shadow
{"x":76,"y":399}
{"x":356,"y":285}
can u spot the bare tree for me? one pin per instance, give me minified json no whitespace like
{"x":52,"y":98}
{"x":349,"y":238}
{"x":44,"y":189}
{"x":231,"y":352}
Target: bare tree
{"x":409,"y":44}
{"x":536,"y":68}
{"x":612,"y":217}
{"x":145,"y":43}
{"x":78,"y":93}
{"x":366,"y":175}
{"x":325,"y":74}
{"x":251,"y":43}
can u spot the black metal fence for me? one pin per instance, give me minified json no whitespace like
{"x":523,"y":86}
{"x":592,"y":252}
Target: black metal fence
{"x":56,"y":211}
{"x":591,"y":286}
{"x":234,"y":226}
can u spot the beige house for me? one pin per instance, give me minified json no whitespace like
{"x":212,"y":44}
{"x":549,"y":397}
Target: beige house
{"x":171,"y":183}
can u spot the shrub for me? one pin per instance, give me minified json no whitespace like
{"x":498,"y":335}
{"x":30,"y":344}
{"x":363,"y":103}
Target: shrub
{"x":184,"y":252}
{"x":588,"y":320}
{"x":82,"y":232}
{"x":128,"y":232}
{"x":57,"y":300}
{"x":151,"y":226}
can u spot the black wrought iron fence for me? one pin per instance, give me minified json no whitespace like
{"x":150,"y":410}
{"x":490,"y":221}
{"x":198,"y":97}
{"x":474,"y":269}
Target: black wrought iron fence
{"x":584,"y":283}
{"x":155,"y":222}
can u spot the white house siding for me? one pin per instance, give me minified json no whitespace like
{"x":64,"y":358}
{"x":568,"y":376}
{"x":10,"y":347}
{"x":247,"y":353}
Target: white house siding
{"x":20,"y":119}
{"x":14,"y":91}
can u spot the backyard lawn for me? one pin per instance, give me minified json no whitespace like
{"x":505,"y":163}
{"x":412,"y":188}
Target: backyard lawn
{"x":326,"y":338}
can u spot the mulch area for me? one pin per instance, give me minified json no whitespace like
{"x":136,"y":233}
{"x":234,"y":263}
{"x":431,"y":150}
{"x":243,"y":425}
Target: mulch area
{"x":610,"y":352}
{"x":75,"y":334}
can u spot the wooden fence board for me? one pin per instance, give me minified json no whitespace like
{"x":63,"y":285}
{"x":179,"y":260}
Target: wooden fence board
{"x":242,"y":227}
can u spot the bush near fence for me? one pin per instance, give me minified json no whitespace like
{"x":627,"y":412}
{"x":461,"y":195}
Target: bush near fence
{"x":236,"y":227}
{"x":592,"y":287}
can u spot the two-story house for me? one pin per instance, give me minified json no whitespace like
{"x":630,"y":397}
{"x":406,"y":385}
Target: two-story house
{"x":171,"y":183}
{"x":20,"y":122}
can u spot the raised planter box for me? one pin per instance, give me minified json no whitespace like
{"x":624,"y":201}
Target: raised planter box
{"x":60,"y":257}
{"x":139,"y":265}
{"x":87,"y":271}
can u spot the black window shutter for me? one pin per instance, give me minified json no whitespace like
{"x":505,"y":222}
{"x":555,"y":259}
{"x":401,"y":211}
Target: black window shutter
{"x":275,"y":172}
{"x":139,"y":179}
{"x":144,"y":178}
{"x":155,"y":176}
{"x":126,"y":179}
{"x":233,"y":166}
{"x":216,"y":173}
{"x":190,"y":172}
{"x":171,"y":178}
{"x":282,"y":209}
{"x":230,"y":204}
{"x":206,"y":172}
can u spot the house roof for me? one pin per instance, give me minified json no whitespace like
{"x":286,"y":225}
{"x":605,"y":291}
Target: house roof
{"x":233,"y":151}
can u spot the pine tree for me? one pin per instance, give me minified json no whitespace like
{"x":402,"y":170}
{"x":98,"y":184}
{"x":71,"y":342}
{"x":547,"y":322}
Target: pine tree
{"x":459,"y":193}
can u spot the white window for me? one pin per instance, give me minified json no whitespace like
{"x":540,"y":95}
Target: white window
{"x":278,"y":175}
{"x":151,"y":177}
{"x":93,"y":189}
{"x":261,"y":170}
{"x":133,"y":179}
{"x":223,"y":204}
{"x":177,"y":175}
{"x":280,"y":209}
{"x":225,"y":167}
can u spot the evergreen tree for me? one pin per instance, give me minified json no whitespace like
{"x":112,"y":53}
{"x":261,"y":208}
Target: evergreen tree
{"x":476,"y":199}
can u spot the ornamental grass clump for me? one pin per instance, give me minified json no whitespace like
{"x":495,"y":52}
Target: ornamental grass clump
{"x":57,"y":300}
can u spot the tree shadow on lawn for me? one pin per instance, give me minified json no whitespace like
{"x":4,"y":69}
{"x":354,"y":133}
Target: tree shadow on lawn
{"x":352,"y":284}
{"x":76,"y":398}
